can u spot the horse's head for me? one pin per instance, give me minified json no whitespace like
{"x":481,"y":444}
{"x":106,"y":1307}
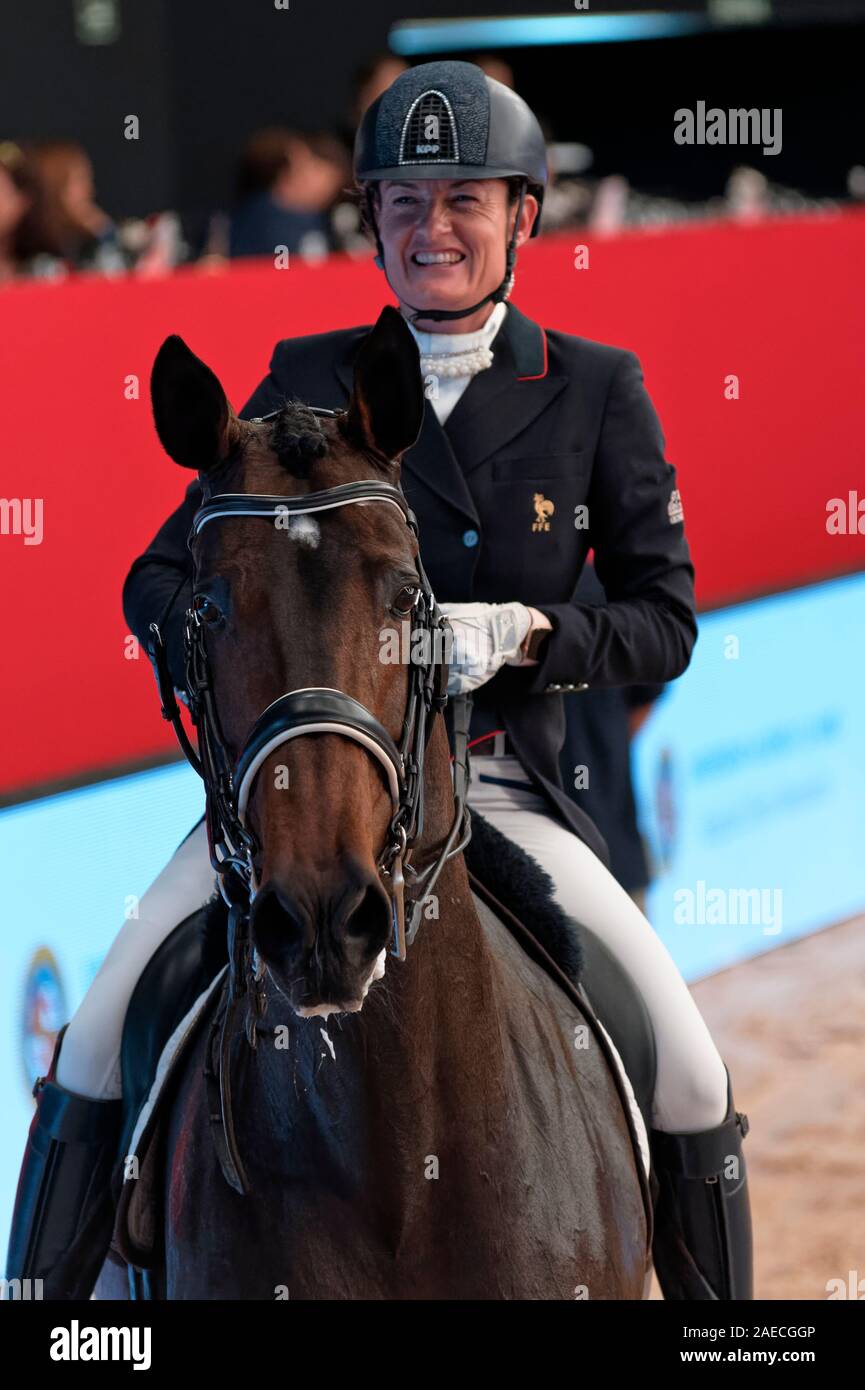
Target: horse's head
{"x":289,"y":602}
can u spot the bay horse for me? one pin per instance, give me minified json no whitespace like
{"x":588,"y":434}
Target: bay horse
{"x":415,"y":1128}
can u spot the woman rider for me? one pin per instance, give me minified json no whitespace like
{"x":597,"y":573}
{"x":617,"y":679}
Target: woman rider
{"x":524,"y":433}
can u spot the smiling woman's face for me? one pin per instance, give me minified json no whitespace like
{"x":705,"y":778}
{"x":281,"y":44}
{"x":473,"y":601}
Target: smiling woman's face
{"x":444,"y":242}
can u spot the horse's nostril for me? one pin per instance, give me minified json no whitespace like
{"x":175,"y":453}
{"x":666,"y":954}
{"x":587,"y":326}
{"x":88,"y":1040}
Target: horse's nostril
{"x":277,"y":926}
{"x":370,"y":920}
{"x":342,"y":925}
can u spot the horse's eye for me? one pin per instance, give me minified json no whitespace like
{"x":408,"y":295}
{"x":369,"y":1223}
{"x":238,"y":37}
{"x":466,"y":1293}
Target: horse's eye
{"x":206,"y":609}
{"x":406,"y":599}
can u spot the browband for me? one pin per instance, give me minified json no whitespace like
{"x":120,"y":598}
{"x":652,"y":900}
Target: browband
{"x":264,"y":504}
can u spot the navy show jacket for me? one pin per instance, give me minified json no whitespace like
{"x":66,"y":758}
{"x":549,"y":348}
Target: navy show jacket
{"x":556,"y":425}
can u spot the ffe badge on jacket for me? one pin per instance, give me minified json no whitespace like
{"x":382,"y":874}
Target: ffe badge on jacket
{"x":544,"y":509}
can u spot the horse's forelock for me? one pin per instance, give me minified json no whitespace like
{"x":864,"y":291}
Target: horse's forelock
{"x":297,"y":438}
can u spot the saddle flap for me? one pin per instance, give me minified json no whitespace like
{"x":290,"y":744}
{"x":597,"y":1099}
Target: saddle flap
{"x":172,"y":981}
{"x":139,"y":1209}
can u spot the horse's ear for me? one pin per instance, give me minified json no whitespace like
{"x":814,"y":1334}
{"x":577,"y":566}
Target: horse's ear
{"x":386,"y":407}
{"x":195,"y":423}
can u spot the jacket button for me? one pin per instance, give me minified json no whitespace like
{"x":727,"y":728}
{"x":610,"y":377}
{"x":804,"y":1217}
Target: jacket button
{"x":470,"y":538}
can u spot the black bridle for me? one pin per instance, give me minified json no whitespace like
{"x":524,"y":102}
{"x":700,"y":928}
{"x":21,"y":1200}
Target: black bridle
{"x":232,"y":843}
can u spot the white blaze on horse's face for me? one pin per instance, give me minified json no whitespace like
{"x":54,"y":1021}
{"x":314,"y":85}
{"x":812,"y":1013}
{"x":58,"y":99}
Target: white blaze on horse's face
{"x":306,"y":531}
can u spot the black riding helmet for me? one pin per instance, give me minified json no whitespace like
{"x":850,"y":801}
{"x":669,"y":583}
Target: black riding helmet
{"x":448,"y":120}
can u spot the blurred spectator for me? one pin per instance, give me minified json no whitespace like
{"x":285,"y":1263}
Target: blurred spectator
{"x":747,"y":194}
{"x":64,"y":222}
{"x":293,"y":190}
{"x":287,"y":184}
{"x":15,"y":199}
{"x":371,"y":79}
{"x":496,"y":68}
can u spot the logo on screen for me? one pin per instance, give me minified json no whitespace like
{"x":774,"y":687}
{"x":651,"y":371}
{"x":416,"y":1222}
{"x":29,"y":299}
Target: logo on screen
{"x":43,"y":1013}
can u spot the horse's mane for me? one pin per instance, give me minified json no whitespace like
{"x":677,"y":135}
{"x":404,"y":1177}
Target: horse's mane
{"x":297,"y":438}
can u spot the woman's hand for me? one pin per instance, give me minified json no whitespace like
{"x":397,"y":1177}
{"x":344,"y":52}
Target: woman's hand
{"x":485,"y":636}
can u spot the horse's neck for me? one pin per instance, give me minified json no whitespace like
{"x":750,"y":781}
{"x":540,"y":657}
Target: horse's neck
{"x":439,"y":811}
{"x":435,"y":1063}
{"x":448,"y":971}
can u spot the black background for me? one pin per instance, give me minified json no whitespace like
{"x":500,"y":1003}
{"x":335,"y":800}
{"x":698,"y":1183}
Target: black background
{"x":202,"y":76}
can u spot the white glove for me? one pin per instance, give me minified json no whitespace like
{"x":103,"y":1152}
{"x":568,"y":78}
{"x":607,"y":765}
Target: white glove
{"x":485,"y":636}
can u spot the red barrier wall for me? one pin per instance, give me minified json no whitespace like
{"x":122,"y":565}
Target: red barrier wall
{"x":778,"y":304}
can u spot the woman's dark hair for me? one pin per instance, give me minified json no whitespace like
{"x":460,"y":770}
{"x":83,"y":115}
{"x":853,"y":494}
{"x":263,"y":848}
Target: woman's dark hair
{"x":268,"y":153}
{"x":15,"y":165}
{"x":14,"y":162}
{"x":49,"y":228}
{"x":264,"y":157}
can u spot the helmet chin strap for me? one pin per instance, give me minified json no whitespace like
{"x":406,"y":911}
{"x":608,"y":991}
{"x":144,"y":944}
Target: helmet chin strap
{"x":494,"y":297}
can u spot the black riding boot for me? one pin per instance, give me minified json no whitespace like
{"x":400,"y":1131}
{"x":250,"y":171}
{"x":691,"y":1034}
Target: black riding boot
{"x":64,"y":1207}
{"x":702,"y":1243}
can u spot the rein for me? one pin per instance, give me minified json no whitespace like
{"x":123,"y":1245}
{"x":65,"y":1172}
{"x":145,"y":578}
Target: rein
{"x":315,"y":709}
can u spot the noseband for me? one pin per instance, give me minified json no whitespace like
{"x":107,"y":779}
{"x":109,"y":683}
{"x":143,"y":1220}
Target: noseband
{"x":318,"y":709}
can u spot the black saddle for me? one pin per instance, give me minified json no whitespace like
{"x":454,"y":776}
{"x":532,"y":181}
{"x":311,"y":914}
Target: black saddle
{"x":174,"y":977}
{"x":622,"y":1010}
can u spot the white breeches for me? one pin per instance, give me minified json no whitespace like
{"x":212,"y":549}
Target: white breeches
{"x":691,"y":1083}
{"x":691,"y":1087}
{"x":89,"y":1060}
